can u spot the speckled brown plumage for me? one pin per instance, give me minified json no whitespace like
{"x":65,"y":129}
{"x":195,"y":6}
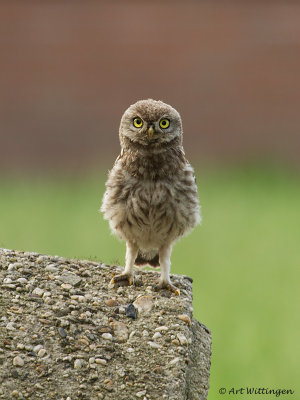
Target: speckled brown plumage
{"x":151,"y":197}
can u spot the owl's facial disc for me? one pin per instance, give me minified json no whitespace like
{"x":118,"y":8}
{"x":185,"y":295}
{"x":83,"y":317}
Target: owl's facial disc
{"x":151,"y":131}
{"x":150,"y":123}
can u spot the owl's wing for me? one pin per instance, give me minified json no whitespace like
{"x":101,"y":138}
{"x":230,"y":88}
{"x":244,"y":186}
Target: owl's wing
{"x":191,"y":170}
{"x":120,"y":156}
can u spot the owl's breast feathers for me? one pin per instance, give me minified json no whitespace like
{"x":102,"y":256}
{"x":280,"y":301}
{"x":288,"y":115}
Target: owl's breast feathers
{"x":160,"y":161}
{"x":151,"y":198}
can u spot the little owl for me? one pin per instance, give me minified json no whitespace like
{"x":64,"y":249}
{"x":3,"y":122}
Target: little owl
{"x":151,"y":197}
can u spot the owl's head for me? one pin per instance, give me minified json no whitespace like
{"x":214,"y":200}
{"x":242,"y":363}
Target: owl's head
{"x":150,"y":123}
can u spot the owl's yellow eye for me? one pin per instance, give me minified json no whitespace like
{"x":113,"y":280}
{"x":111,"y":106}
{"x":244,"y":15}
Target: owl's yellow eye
{"x":138,"y":122}
{"x":164,"y":123}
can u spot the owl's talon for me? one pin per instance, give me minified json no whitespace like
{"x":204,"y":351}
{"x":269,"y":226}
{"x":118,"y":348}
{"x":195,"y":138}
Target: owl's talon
{"x":168,"y":286}
{"x":123,"y":280}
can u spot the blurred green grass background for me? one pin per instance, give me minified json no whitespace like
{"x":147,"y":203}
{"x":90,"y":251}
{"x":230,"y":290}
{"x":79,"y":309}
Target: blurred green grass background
{"x":244,"y":259}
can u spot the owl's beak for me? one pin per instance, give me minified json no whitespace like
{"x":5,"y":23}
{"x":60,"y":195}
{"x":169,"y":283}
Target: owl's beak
{"x":150,"y":132}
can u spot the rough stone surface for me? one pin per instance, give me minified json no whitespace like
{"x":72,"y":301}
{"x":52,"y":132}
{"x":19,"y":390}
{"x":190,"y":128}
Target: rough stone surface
{"x":54,"y":313}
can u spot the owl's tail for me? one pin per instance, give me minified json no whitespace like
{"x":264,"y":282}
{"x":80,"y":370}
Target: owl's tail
{"x":147,"y":257}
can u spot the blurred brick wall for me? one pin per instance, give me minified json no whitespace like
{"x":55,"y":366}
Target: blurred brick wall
{"x":70,"y":68}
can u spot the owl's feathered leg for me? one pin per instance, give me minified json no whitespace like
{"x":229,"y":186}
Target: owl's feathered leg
{"x":165,"y":265}
{"x":126,"y":278}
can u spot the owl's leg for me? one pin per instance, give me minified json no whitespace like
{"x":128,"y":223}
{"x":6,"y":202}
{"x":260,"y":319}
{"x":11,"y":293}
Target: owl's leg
{"x":126,"y":278}
{"x":165,"y":265}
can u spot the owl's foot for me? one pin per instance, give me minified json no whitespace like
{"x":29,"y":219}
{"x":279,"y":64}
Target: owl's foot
{"x":168,"y":286}
{"x":123,"y":280}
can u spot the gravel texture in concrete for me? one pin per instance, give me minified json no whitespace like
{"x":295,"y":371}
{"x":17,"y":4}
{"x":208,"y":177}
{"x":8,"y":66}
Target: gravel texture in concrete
{"x":67,"y":333}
